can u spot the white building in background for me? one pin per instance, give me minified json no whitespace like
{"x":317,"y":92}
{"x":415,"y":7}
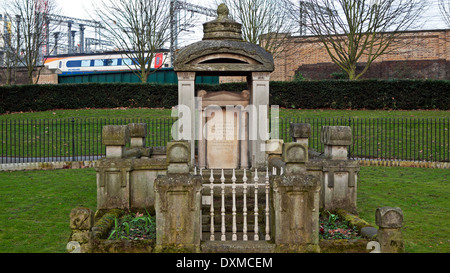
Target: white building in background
{"x":3,"y":31}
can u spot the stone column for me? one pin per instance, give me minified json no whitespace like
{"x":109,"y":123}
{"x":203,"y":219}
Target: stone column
{"x":201,"y":141}
{"x":300,"y":132}
{"x":186,"y":97}
{"x":115,"y":138}
{"x":390,"y":220}
{"x":259,"y":90}
{"x":296,"y":204}
{"x":339,"y":188}
{"x":178,"y":203}
{"x":81,"y":223}
{"x":243,"y":130}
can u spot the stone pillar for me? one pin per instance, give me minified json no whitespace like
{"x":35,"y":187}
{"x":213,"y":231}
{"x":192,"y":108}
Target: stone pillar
{"x":113,"y":172}
{"x":243,"y":130}
{"x":300,"y":132}
{"x":81,"y":223}
{"x":336,"y":140}
{"x":390,"y":220}
{"x":115,"y":138}
{"x":201,"y":140}
{"x":339,"y":188}
{"x":186,"y":97}
{"x":259,"y":90}
{"x":178,"y":203}
{"x":138,"y":132}
{"x":296,"y":204}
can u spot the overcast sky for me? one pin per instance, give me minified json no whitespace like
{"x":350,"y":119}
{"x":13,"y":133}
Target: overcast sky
{"x":79,"y":9}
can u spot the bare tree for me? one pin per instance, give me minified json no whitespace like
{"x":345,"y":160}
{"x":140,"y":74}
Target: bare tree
{"x":357,"y":30}
{"x":139,"y":27}
{"x":32,"y":28}
{"x":264,"y":22}
{"x":444,"y":7}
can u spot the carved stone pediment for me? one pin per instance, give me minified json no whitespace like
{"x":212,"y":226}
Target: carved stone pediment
{"x":224,"y":98}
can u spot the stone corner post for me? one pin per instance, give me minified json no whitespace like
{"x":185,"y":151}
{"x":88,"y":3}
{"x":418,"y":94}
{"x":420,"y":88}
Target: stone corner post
{"x":81,"y":223}
{"x":336,"y":140}
{"x":138,"y":133}
{"x":115,"y":138}
{"x":300,"y":132}
{"x":178,"y":203}
{"x":339,"y":184}
{"x":113,"y":171}
{"x":296,"y":203}
{"x":390,"y":220}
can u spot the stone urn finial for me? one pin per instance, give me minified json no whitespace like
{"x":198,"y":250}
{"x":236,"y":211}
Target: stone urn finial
{"x":222,"y":11}
{"x":222,"y":28}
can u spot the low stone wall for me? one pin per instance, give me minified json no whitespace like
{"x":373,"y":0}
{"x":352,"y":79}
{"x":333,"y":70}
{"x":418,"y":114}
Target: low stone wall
{"x":46,"y":166}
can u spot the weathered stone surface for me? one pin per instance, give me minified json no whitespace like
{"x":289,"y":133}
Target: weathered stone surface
{"x":388,"y":217}
{"x":127,"y":183}
{"x":300,"y":130}
{"x":137,"y":129}
{"x":391,"y":240}
{"x":192,"y":58}
{"x":336,"y":135}
{"x":115,"y":135}
{"x":223,"y":50}
{"x":296,"y":210}
{"x":390,"y":220}
{"x":81,"y":219}
{"x":178,"y":152}
{"x":274,"y":147}
{"x":295,"y":153}
{"x":178,"y":210}
{"x":369,"y":232}
{"x":223,"y":28}
{"x":138,"y":132}
{"x":339,"y":185}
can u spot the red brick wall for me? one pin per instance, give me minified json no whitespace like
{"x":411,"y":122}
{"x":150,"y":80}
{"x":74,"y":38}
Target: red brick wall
{"x":420,"y":54}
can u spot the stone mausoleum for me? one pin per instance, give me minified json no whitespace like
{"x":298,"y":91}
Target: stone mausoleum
{"x":220,"y":187}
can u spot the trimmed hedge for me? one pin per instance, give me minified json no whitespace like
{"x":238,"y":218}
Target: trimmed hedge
{"x":366,"y":94}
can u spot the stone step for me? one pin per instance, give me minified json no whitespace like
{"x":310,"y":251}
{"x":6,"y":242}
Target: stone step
{"x":240,"y":246}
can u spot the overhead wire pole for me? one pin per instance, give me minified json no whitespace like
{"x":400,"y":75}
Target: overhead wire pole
{"x":83,"y":23}
{"x":175,"y":7}
{"x":302,"y":9}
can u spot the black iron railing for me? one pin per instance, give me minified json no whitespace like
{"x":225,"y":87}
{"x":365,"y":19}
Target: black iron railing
{"x":53,"y":140}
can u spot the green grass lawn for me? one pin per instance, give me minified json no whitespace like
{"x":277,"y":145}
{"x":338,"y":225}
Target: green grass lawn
{"x":35,"y":206}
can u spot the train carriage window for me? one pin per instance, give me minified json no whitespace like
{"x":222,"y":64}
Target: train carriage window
{"x":98,"y":63}
{"x":129,"y":62}
{"x":85,"y":63}
{"x":60,"y":64}
{"x":110,"y":62}
{"x":73,"y":64}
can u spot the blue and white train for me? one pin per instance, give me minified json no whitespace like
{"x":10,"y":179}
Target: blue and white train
{"x":104,"y":62}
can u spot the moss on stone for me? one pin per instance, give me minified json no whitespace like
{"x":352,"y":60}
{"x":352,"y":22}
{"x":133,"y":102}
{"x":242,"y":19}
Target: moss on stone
{"x":105,"y":223}
{"x":352,"y":219}
{"x":344,"y":246}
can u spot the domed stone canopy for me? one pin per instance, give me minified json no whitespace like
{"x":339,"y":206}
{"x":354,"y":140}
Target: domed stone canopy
{"x":223,"y":51}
